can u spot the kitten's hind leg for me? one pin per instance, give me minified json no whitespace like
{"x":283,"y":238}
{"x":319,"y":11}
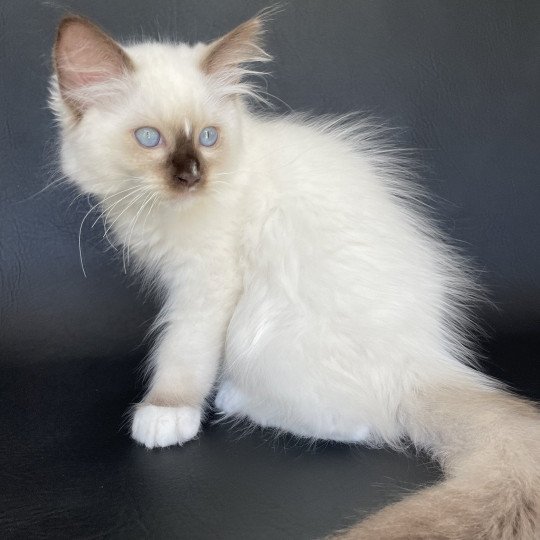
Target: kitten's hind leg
{"x":229,"y":399}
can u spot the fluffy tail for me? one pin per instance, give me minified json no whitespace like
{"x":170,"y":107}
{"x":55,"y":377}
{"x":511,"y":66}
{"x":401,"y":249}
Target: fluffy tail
{"x":488,"y":443}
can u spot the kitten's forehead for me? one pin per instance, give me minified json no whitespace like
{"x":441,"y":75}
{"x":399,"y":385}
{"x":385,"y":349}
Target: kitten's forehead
{"x":166,"y":56}
{"x":171,"y":82}
{"x":188,"y":128}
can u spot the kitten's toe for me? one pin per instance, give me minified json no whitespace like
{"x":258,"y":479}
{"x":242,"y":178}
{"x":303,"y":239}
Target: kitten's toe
{"x":156,"y":426}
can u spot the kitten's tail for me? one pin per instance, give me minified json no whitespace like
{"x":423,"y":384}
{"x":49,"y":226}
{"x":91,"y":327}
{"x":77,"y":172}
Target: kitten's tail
{"x":488,"y":443}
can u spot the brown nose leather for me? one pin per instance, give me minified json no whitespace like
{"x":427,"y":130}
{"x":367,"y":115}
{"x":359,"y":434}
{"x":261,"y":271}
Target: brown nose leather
{"x":187,"y":178}
{"x":186,"y":171}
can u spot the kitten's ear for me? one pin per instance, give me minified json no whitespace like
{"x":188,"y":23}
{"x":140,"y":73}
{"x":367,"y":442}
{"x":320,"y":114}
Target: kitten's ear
{"x":84,"y":57}
{"x":243,"y":45}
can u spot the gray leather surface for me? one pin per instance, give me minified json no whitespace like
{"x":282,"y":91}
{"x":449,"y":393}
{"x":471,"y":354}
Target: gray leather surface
{"x":461,"y":80}
{"x":68,"y":471}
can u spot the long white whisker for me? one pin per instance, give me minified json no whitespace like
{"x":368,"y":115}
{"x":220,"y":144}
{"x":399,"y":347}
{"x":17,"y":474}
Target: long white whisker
{"x":58,"y":181}
{"x":122,"y":212}
{"x":106,"y":236}
{"x":130,"y":205}
{"x":108,"y":210}
{"x":128,"y":243}
{"x":156,"y":198}
{"x":227,"y":173}
{"x":78,"y":196}
{"x":220,"y":182}
{"x":80,"y":232}
{"x":104,"y":220}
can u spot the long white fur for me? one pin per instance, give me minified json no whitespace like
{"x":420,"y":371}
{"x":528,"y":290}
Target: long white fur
{"x":305,"y":282}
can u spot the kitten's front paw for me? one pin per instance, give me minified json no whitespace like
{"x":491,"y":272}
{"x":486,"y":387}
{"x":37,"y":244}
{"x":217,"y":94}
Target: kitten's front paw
{"x":164,"y":426}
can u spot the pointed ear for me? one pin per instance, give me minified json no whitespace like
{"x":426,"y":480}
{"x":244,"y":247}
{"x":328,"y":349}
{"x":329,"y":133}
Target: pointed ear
{"x":84,"y":57}
{"x":243,"y":45}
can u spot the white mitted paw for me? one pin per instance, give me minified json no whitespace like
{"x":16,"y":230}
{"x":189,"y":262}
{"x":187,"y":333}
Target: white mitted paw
{"x":164,"y":426}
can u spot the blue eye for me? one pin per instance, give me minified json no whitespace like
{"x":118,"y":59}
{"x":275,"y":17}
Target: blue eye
{"x":208,"y":136}
{"x":148,"y":136}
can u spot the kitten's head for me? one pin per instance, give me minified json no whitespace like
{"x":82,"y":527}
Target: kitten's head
{"x":161,"y":117}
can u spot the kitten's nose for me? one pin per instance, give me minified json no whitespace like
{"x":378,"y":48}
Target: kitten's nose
{"x":187,"y":178}
{"x":189,"y":174}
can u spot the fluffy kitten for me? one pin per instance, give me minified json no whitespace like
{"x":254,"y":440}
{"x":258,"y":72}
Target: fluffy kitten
{"x":300,"y":277}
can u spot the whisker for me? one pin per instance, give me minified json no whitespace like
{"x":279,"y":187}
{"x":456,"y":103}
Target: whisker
{"x":226,"y":173}
{"x":80,"y":232}
{"x":106,"y":236}
{"x":128,"y":243}
{"x":130,"y":205}
{"x":78,"y":196}
{"x":221,"y":182}
{"x":108,"y":210}
{"x":54,"y":183}
{"x":122,"y":212}
{"x":156,"y":199}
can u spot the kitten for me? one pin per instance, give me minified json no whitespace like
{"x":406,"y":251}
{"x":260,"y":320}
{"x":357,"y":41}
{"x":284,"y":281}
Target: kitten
{"x":301,"y":279}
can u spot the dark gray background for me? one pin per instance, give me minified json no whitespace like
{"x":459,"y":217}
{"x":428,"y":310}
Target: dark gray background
{"x":461,"y":81}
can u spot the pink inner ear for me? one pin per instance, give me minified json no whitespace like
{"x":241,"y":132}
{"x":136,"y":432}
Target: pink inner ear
{"x":239,"y":46}
{"x":86,"y":56}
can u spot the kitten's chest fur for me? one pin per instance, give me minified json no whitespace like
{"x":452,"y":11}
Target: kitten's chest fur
{"x":170,"y":236}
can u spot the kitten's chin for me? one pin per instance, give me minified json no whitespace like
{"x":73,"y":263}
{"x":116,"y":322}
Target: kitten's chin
{"x":182,"y":199}
{"x":184,"y":195}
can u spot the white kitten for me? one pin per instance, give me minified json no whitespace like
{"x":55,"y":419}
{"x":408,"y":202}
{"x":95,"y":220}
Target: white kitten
{"x":300,"y":276}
